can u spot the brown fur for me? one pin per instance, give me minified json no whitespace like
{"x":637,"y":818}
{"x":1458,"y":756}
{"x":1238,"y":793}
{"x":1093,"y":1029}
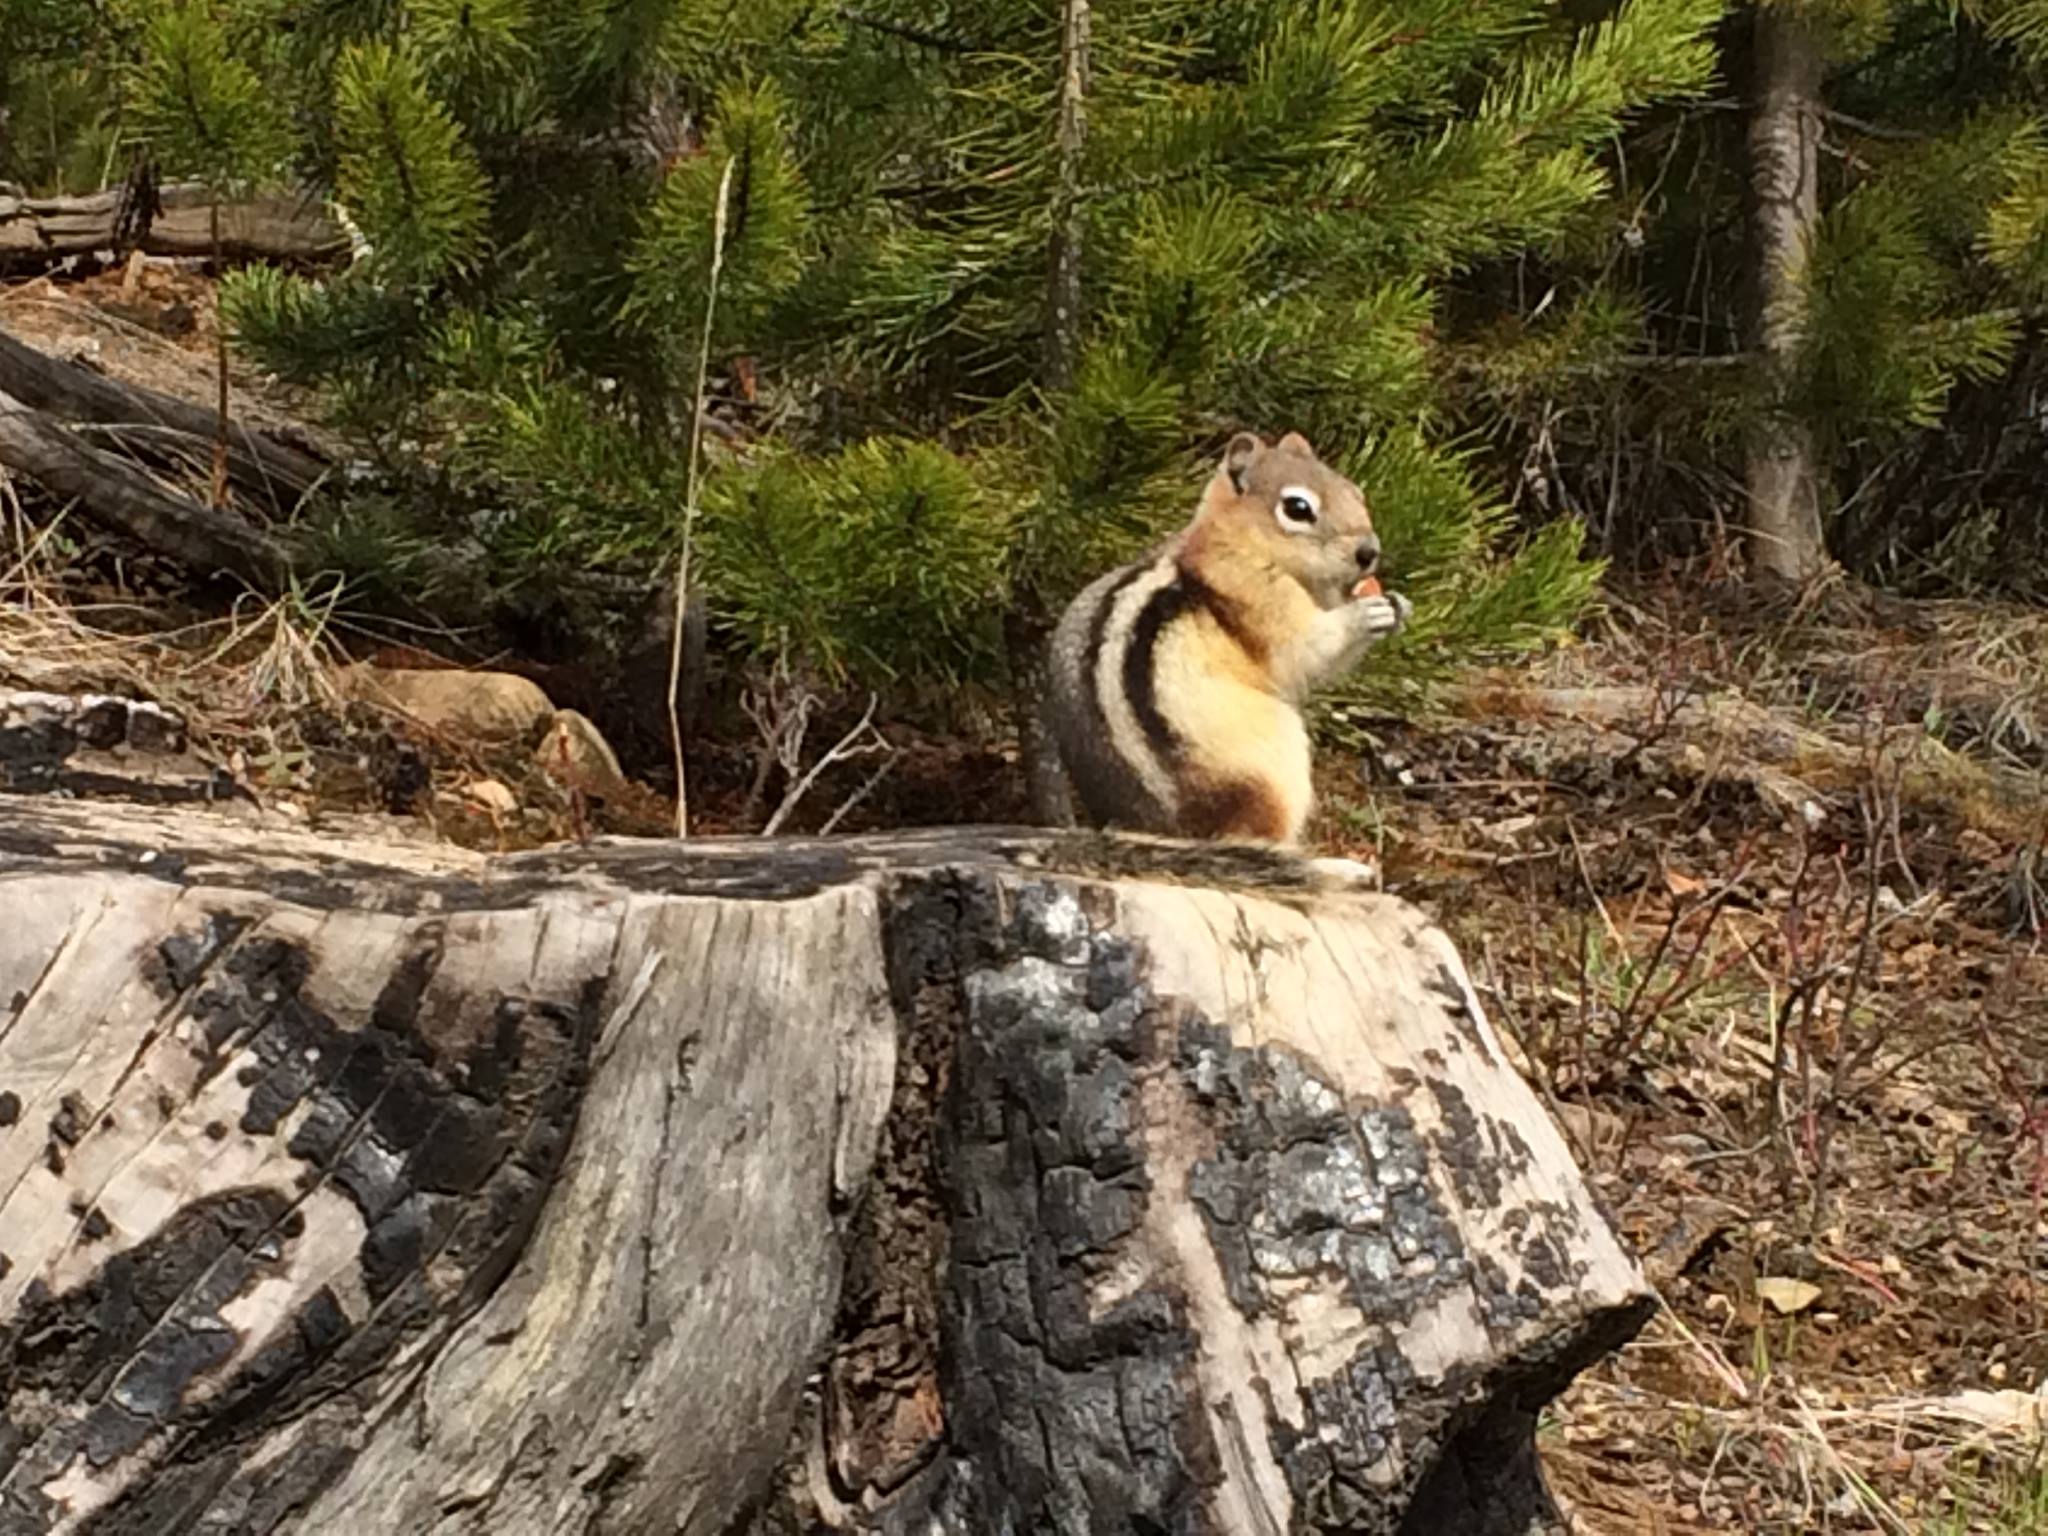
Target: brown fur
{"x":1264,"y":579}
{"x":1238,"y":808}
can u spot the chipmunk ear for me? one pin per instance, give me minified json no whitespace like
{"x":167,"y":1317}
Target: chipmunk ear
{"x":1237,"y":458}
{"x":1294,"y":442}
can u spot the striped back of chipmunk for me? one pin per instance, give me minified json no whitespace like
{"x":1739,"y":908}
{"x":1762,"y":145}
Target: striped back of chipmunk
{"x":1154,"y":715}
{"x":1113,"y":738}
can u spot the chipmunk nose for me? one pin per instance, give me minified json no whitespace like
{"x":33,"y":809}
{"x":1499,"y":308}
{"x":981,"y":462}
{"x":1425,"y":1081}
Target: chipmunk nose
{"x":1368,"y":553}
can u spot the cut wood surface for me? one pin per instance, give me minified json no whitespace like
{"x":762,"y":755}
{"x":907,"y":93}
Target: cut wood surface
{"x":37,"y":230}
{"x":961,"y":1182}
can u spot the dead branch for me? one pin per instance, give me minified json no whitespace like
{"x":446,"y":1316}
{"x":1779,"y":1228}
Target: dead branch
{"x":152,"y":424}
{"x":121,"y":497}
{"x":1792,"y":765}
{"x":38,"y":232}
{"x":847,"y":747}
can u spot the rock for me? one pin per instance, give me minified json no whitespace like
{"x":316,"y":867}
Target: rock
{"x":574,"y":752}
{"x":475,"y":706}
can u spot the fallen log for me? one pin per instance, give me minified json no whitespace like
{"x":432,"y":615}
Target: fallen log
{"x":37,"y":231}
{"x":1793,"y":766}
{"x":953,"y":1182}
{"x":119,"y":496}
{"x":149,"y":422}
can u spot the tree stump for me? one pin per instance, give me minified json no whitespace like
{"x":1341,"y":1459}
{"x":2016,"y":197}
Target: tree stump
{"x":965,"y":1182}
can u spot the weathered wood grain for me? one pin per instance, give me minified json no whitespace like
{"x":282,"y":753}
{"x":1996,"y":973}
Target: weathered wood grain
{"x":952,"y":1182}
{"x":119,"y":496}
{"x":35,"y":231}
{"x":155,"y":425}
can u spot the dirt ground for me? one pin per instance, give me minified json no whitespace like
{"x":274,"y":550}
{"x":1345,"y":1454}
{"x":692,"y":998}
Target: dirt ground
{"x":1761,"y":901}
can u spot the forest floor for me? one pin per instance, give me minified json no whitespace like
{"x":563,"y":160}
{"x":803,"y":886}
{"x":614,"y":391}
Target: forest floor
{"x":1761,"y":900}
{"x":1763,"y":904}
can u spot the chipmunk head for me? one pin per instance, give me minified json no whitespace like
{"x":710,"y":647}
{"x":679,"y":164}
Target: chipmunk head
{"x":1288,"y":509}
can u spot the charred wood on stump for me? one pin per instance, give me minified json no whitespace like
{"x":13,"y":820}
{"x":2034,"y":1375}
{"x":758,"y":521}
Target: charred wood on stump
{"x":961,"y":1182}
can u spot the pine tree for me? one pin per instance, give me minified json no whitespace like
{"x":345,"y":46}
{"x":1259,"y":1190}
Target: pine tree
{"x":1641,"y":369}
{"x":1267,"y":199}
{"x":55,"y":132}
{"x":990,"y":324}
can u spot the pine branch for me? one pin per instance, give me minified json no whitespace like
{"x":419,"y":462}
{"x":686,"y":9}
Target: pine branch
{"x":936,"y":41}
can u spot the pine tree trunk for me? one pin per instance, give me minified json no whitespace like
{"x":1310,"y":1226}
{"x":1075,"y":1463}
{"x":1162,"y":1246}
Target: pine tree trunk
{"x":1786,"y":482}
{"x":949,"y":1183}
{"x":1029,"y":623}
{"x":1063,"y":285}
{"x":1025,"y":630}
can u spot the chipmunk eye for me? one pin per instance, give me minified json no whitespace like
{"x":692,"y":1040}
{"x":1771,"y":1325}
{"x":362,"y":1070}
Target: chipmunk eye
{"x":1297,"y":510}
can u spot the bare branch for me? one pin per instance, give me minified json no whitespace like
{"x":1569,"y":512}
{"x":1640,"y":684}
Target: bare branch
{"x":848,"y":746}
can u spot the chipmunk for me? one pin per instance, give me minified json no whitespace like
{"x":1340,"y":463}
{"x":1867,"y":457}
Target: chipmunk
{"x":1178,"y":681}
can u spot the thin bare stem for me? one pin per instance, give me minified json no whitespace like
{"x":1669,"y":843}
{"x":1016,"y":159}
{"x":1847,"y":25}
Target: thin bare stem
{"x":219,"y":486}
{"x":675,"y":652}
{"x":853,"y":801}
{"x":846,"y":747}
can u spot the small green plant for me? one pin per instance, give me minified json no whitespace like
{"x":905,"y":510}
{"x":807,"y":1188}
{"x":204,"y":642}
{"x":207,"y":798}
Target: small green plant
{"x":1994,"y":1496}
{"x":286,"y":648}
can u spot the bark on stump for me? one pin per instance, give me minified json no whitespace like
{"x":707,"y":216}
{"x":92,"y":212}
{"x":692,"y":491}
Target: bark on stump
{"x":962,"y":1182}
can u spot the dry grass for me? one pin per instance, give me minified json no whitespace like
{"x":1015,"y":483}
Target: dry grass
{"x":253,"y":673}
{"x":1797,"y":1459}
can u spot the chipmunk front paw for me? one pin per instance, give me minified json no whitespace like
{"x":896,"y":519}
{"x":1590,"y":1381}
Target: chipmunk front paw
{"x":1381,"y":614}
